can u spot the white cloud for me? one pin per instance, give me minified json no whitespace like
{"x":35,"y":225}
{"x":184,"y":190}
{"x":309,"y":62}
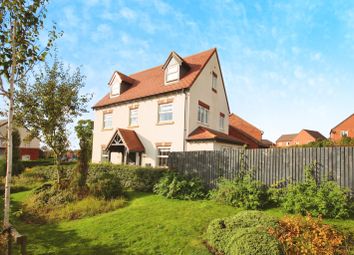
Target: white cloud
{"x":127,"y":13}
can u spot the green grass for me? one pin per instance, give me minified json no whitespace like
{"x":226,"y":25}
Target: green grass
{"x":150,"y":224}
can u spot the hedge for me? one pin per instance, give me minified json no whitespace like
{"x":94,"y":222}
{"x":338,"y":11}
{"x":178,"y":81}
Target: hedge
{"x":135,"y":178}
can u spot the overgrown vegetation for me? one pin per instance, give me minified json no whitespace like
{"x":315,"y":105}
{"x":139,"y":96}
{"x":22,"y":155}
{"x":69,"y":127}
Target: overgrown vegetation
{"x":246,"y":233}
{"x":324,"y":198}
{"x":308,"y":236}
{"x":173,"y":185}
{"x":241,"y":192}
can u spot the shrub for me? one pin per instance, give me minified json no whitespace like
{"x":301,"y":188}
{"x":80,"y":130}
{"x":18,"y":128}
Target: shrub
{"x":252,"y":241}
{"x":135,"y":178}
{"x":327,"y":198}
{"x":47,"y":173}
{"x":105,"y":185}
{"x":306,"y":235}
{"x":242,"y":192}
{"x":221,"y":231}
{"x":2,"y":167}
{"x":173,"y":185}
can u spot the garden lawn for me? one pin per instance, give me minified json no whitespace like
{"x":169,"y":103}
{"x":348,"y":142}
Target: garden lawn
{"x":150,"y":224}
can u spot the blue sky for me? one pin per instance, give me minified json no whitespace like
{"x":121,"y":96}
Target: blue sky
{"x":287,"y":65}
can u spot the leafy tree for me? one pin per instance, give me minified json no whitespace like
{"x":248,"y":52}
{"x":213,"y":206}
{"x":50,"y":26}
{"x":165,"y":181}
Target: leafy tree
{"x":49,"y":104}
{"x":84,"y":133}
{"x":20,"y":25}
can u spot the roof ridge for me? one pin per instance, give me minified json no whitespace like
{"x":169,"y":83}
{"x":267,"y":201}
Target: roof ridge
{"x":144,"y":70}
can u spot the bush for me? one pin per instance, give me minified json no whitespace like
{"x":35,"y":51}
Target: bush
{"x":220,"y":232}
{"x":39,"y":162}
{"x":173,"y":185}
{"x":252,"y":241}
{"x":299,"y":235}
{"x":327,"y":198}
{"x":47,"y":173}
{"x":242,"y":192}
{"x":135,"y":178}
{"x":105,"y":185}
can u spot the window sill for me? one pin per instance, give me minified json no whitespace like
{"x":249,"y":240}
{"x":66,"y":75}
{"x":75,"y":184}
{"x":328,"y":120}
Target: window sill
{"x":136,"y":126}
{"x":214,"y":90}
{"x":203,"y":124}
{"x":107,"y":129}
{"x":165,"y":123}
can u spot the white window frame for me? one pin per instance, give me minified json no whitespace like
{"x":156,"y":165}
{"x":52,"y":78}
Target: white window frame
{"x":344,"y":133}
{"x":221,"y":122}
{"x":214,"y":80}
{"x":133,"y":117}
{"x":115,"y":89}
{"x":203,"y":114}
{"x":161,"y":111}
{"x":163,"y":156}
{"x":172,"y":70}
{"x":107,"y":124}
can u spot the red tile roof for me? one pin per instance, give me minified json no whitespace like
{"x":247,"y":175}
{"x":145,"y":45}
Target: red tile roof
{"x":203,"y":133}
{"x":238,"y":122}
{"x":130,"y":138}
{"x":151,"y":82}
{"x":315,"y":134}
{"x":286,"y":138}
{"x":245,"y":137}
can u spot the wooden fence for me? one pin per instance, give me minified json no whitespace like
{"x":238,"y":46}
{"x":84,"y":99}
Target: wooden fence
{"x":270,"y":165}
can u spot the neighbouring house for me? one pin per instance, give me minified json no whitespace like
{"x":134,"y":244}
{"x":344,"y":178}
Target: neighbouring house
{"x":305,"y":136}
{"x":246,"y":132}
{"x":343,"y":129}
{"x":268,"y":143}
{"x":285,"y":140}
{"x":29,"y":149}
{"x":178,"y":106}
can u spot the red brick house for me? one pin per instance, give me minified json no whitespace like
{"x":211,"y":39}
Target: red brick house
{"x":246,"y":132}
{"x":343,"y":129}
{"x":307,"y":136}
{"x":29,"y":149}
{"x":285,"y":140}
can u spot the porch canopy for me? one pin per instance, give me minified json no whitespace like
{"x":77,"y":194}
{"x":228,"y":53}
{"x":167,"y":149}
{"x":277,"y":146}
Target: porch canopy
{"x":127,"y":143}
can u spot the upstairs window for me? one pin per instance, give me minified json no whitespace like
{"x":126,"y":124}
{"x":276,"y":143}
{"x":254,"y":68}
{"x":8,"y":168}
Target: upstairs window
{"x":172,"y":73}
{"x":115,"y":89}
{"x":344,"y":133}
{"x":133,"y":117}
{"x":222,"y":121}
{"x":162,"y":156}
{"x":214,"y":81}
{"x":203,"y":113}
{"x":165,"y":112}
{"x":107,"y":120}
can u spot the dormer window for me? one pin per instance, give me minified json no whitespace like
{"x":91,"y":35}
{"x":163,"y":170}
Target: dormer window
{"x":175,"y":67}
{"x":115,"y":89}
{"x":172,"y":73}
{"x":119,"y":83}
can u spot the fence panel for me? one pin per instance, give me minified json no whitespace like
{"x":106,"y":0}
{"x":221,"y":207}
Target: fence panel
{"x":269,"y":165}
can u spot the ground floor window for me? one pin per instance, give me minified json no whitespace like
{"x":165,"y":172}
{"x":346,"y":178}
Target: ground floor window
{"x":104,"y":156}
{"x":162,"y":156}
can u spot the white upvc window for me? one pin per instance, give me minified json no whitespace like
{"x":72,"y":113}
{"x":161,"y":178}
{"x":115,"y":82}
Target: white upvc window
{"x":344,"y":133}
{"x":214,"y":80}
{"x":172,"y":73}
{"x":165,"y":112}
{"x":203,"y":113}
{"x":133,"y":117}
{"x":115,"y":89}
{"x":162,"y":156}
{"x":107,"y":120}
{"x":222,"y":122}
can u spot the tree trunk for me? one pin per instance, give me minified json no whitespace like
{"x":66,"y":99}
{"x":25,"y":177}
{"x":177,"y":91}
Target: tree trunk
{"x":9,"y":133}
{"x":59,"y":170}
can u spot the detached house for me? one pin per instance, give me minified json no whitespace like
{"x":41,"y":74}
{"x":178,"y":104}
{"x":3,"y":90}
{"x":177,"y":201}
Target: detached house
{"x":305,"y":136}
{"x":343,"y":129}
{"x":29,"y":149}
{"x":179,"y":106}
